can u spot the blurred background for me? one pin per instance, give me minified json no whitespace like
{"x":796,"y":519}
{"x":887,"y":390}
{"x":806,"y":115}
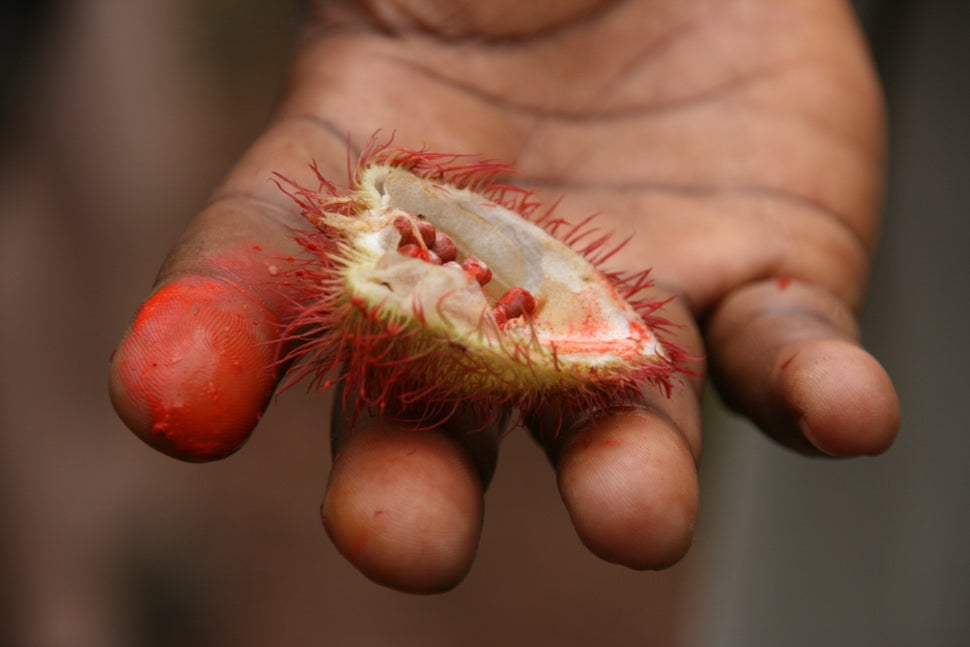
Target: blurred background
{"x":118,"y":117}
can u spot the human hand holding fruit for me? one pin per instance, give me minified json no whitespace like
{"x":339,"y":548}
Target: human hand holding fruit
{"x":741,"y":147}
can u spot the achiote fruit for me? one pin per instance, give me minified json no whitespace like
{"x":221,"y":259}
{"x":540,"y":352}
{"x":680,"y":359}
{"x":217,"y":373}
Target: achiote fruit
{"x":430,"y":285}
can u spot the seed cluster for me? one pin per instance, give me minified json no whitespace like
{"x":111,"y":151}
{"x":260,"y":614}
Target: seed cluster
{"x":419,"y":342}
{"x":420,"y":239}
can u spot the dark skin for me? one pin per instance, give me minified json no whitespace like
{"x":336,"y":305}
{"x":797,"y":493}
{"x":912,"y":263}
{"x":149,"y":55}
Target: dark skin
{"x":742,"y":146}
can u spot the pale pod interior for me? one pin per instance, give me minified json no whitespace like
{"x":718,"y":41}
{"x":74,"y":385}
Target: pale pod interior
{"x":577,"y":317}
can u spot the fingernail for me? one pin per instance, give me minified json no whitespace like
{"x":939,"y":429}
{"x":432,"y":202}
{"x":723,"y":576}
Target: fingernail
{"x":591,"y":417}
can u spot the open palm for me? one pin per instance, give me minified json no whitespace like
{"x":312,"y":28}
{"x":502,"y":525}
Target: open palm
{"x":740,"y":144}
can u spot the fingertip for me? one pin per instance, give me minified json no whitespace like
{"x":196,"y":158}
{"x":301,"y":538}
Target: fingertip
{"x":630,"y":485}
{"x":195,"y":371}
{"x":787,"y":356}
{"x":844,"y":400}
{"x":405,"y":507}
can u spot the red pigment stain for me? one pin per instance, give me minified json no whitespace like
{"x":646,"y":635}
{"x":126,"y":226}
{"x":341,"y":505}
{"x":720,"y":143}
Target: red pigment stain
{"x":194,"y":374}
{"x":611,"y":442}
{"x":257,"y":247}
{"x":784,"y":282}
{"x":788,"y":361}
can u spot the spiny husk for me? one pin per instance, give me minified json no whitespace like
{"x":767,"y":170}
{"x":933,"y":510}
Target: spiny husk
{"x":408,"y":337}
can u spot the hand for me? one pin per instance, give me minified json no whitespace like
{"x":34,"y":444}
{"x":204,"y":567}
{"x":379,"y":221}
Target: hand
{"x":742,"y":144}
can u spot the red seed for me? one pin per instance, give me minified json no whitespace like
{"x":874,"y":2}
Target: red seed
{"x":517,"y":302}
{"x":445,"y":247}
{"x":414,"y":231}
{"x":427,"y":232}
{"x":477,"y":269}
{"x":404,"y":227}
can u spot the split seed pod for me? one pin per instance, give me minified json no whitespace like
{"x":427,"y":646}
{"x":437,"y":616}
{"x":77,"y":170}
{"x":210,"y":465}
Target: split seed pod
{"x":430,"y":286}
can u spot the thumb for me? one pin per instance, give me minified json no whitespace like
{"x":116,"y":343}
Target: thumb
{"x":198,"y":365}
{"x":200,"y":361}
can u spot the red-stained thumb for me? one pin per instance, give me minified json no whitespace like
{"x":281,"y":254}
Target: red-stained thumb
{"x":197,"y":368}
